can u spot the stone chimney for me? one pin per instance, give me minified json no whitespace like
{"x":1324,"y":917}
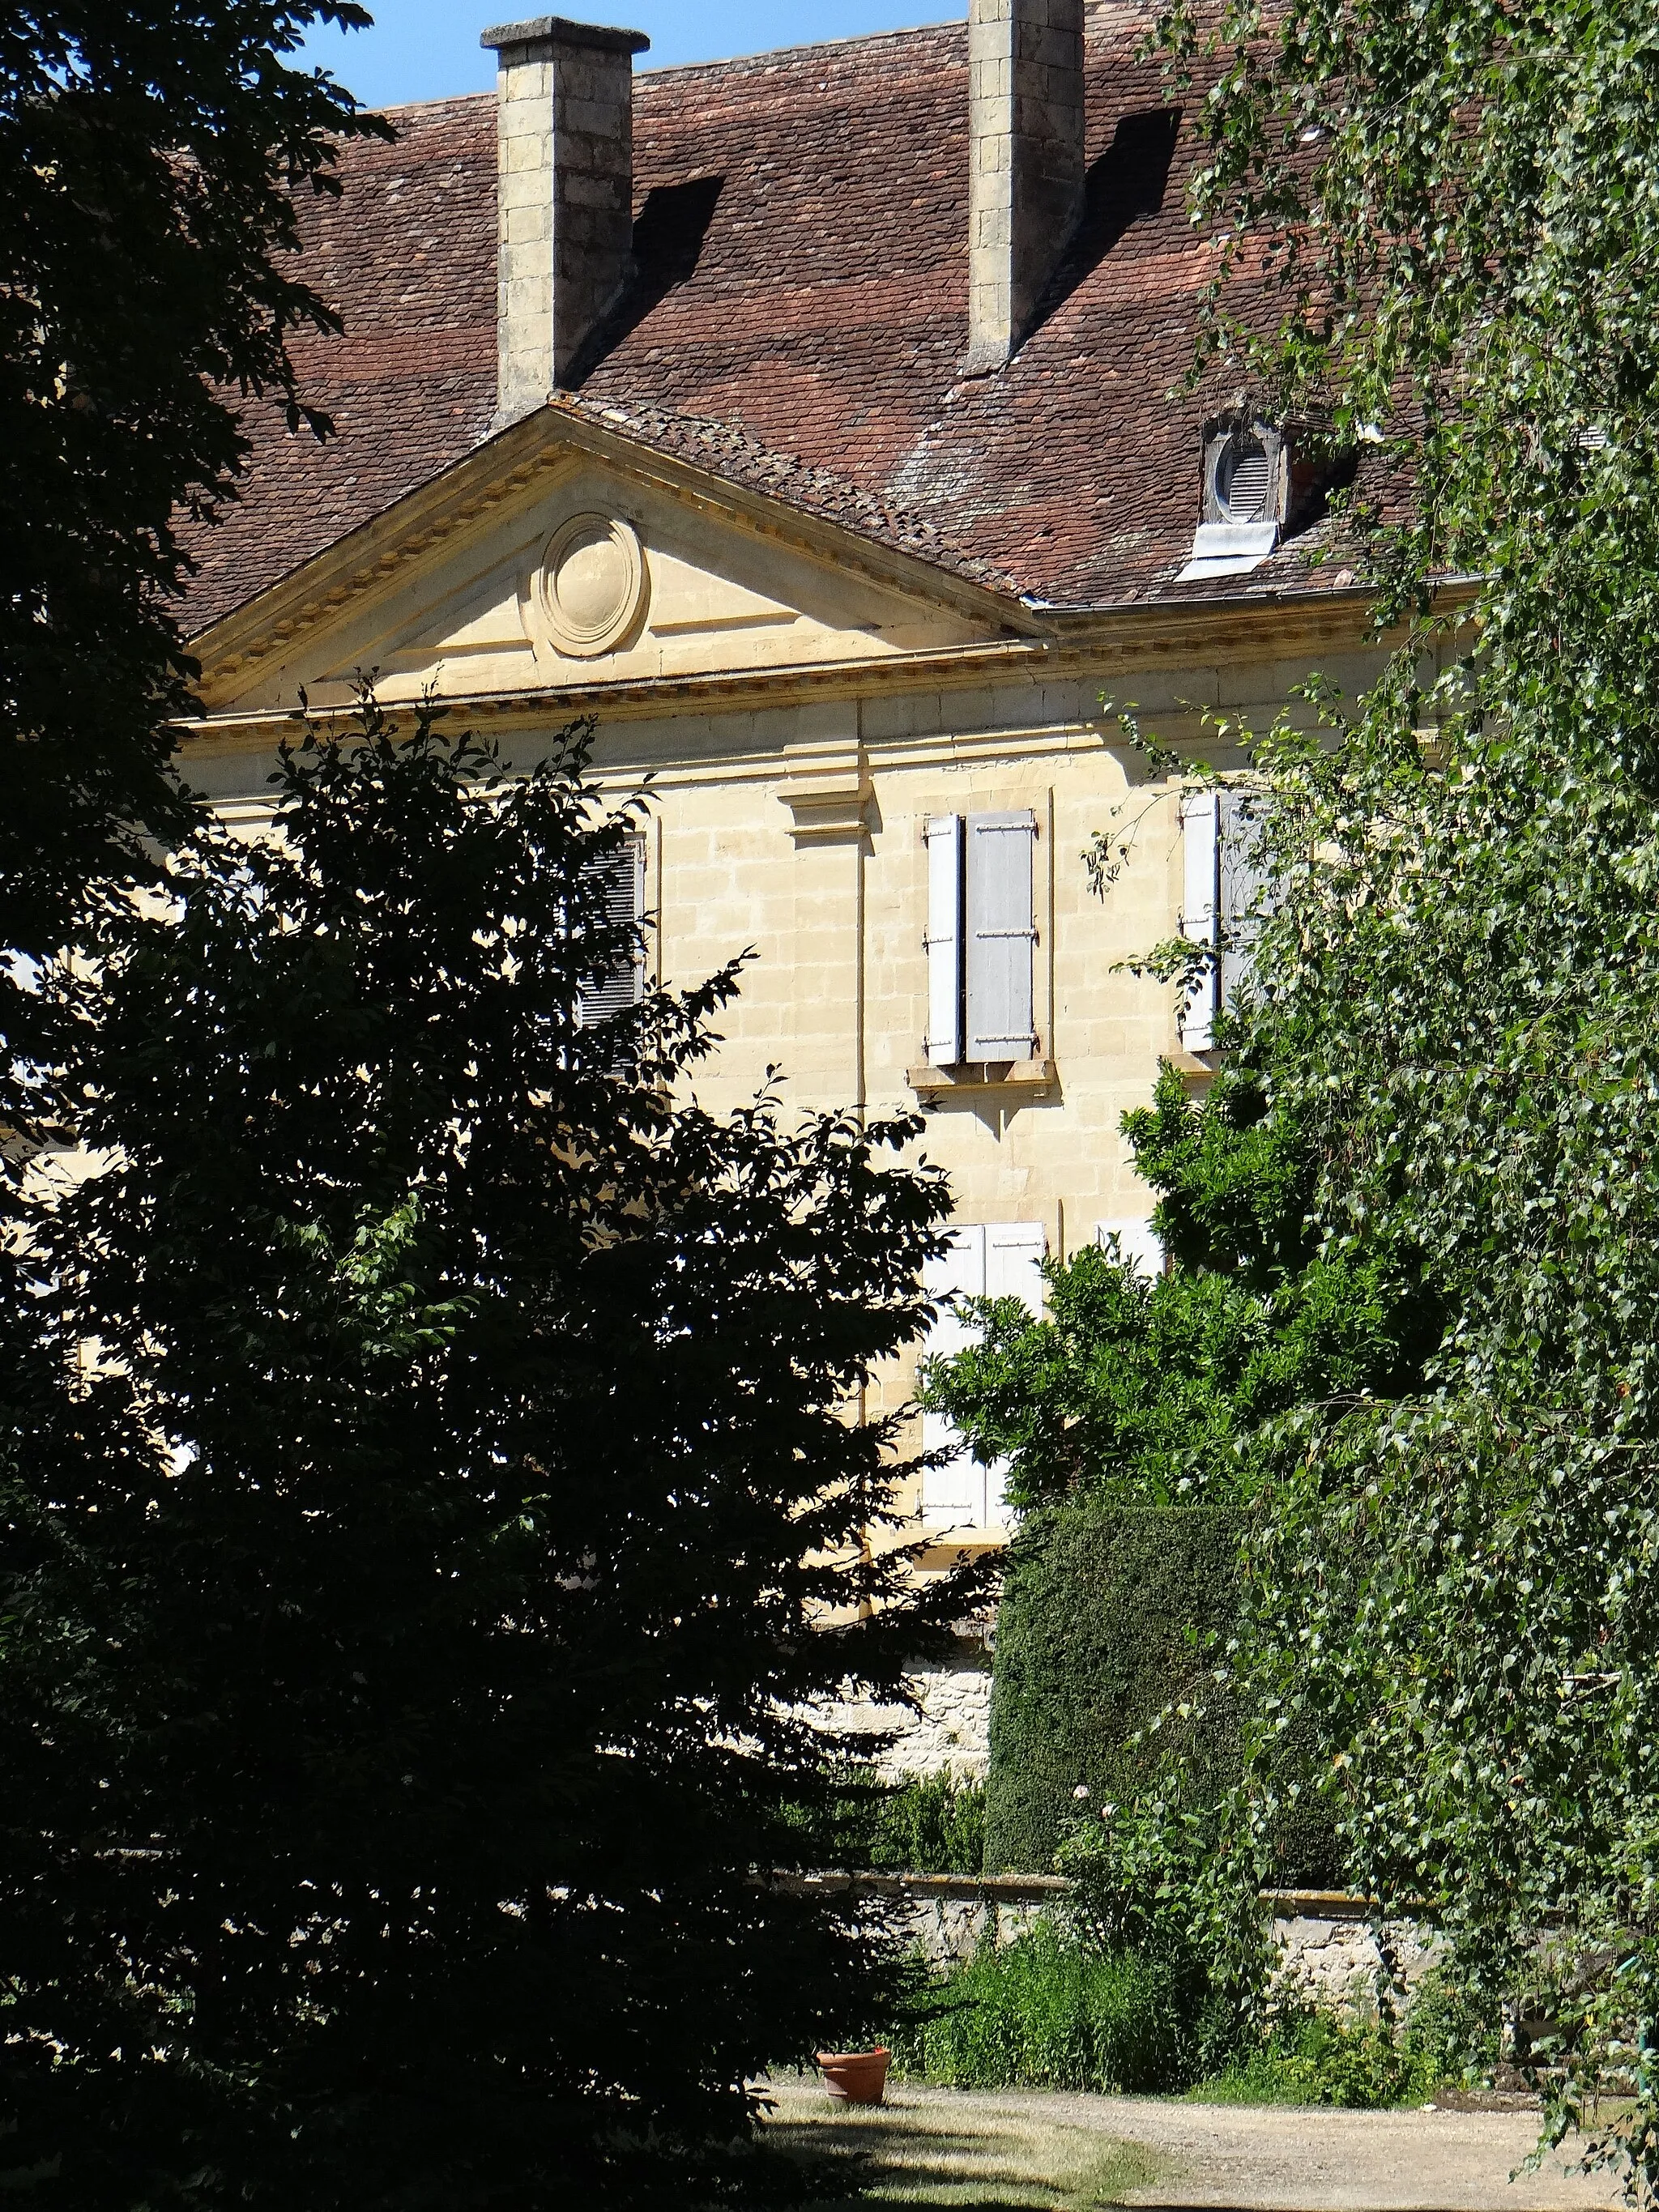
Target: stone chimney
{"x":564,"y":135}
{"x":1026,"y":137}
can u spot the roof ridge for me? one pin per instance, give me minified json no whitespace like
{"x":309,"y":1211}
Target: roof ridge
{"x":418,"y":107}
{"x":807,"y":46}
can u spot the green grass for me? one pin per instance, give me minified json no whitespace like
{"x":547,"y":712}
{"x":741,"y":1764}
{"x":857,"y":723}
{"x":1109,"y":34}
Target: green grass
{"x":912,"y":2151}
{"x":1045,"y":2012}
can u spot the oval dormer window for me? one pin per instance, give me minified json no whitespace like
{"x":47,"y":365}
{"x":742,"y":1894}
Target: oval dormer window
{"x":1243,"y":478}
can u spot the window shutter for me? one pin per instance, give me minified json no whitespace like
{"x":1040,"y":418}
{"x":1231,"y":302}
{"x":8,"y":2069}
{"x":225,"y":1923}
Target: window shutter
{"x":1001,"y":1261}
{"x":1014,"y":1253}
{"x":1243,"y":885}
{"x":943,"y":1048}
{"x":1200,"y":848}
{"x":620,"y":877}
{"x":1135,"y":1242}
{"x":952,"y":1495}
{"x":1000,"y":936}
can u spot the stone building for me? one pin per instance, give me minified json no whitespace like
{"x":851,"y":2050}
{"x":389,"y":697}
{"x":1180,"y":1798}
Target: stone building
{"x":806,"y":419}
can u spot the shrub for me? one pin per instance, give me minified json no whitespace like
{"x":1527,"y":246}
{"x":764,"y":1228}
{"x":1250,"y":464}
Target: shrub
{"x":928,"y":1824}
{"x":1313,"y":2056}
{"x":932,"y":1824}
{"x":1099,"y":1630}
{"x":1108,"y":1624}
{"x":1316,"y":2058}
{"x":1048,"y":2012}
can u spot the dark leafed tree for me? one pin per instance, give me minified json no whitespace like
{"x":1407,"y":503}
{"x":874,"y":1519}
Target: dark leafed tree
{"x":435,"y":1499}
{"x":153,"y":157}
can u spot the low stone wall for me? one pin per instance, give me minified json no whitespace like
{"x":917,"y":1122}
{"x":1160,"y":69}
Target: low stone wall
{"x":949,"y":1916}
{"x":1328,"y":1954}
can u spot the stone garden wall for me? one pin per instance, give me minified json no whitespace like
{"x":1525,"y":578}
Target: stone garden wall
{"x":1328,"y":1951}
{"x":950,"y":1734}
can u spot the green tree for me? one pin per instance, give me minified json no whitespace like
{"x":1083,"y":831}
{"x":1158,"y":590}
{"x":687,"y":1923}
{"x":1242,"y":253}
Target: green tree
{"x":153,"y":157}
{"x":1155,"y":1389}
{"x":1140,"y":1417}
{"x":432,"y":1508}
{"x":1453,"y":208}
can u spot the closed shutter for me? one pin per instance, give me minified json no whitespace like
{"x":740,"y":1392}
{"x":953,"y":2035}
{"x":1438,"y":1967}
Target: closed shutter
{"x":1131,"y":1241}
{"x":1243,"y":885}
{"x":1201,"y":864}
{"x":1001,"y":1261}
{"x":1014,"y":1253}
{"x":952,"y":1495}
{"x":943,"y":1048}
{"x":1000,"y":935}
{"x":620,"y":877}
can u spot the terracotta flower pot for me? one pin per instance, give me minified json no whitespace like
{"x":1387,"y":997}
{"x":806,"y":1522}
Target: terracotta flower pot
{"x":855,"y":2077}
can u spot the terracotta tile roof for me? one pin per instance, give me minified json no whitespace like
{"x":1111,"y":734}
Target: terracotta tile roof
{"x":798,"y":323}
{"x":727,"y":450}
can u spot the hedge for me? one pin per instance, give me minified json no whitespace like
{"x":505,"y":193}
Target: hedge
{"x":1097,"y":1633}
{"x":1105,"y":1614}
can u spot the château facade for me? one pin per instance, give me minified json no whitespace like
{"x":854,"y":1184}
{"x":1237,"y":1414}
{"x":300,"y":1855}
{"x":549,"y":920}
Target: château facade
{"x":808,"y":421}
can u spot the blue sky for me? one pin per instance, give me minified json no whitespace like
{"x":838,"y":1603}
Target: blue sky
{"x":427,"y":49}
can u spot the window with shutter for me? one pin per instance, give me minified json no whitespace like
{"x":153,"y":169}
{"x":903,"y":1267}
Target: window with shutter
{"x":621,"y":878}
{"x":944,"y":940}
{"x":1000,"y":1260}
{"x":1201,"y":866}
{"x":952,"y":1495}
{"x":999,"y":935}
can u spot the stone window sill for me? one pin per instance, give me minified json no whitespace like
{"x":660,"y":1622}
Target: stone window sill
{"x":1033,"y":1077}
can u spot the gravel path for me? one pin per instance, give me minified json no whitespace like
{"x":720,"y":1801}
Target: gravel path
{"x":1295,"y":2159}
{"x":1248,"y":2158}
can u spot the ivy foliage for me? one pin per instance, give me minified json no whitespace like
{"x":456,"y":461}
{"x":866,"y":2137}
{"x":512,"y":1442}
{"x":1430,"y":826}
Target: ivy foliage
{"x":427,"y":1499}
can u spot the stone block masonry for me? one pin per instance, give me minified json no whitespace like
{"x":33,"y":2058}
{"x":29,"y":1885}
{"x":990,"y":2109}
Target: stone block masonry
{"x":950,"y":1734}
{"x":1325,"y":1950}
{"x":565,"y":164}
{"x":1025,"y":152}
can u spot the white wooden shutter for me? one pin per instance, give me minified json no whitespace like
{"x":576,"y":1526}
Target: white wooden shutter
{"x":999,"y":935}
{"x":1135,"y":1240}
{"x":943,"y":1048}
{"x":1200,"y":851}
{"x":1244,"y":885}
{"x":1002,"y":1259}
{"x":1014,"y":1253}
{"x":621,"y":878}
{"x":952,"y":1495}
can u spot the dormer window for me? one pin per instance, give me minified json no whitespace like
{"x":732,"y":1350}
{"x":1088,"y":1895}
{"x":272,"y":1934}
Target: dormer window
{"x":1261,"y":482}
{"x":1242,"y":473}
{"x":1243,"y":499}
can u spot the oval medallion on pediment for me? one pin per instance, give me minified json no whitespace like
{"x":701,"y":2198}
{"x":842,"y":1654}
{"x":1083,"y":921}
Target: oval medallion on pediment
{"x":591,"y":586}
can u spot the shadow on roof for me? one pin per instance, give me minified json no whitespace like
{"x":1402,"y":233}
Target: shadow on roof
{"x":669,"y":234}
{"x":1129,"y":180}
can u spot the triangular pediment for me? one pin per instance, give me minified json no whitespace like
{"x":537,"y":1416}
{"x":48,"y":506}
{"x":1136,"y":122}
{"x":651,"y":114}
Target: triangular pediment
{"x":571,"y":568}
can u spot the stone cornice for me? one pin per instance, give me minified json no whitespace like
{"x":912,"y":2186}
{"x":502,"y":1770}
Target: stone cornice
{"x":1107,"y":642}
